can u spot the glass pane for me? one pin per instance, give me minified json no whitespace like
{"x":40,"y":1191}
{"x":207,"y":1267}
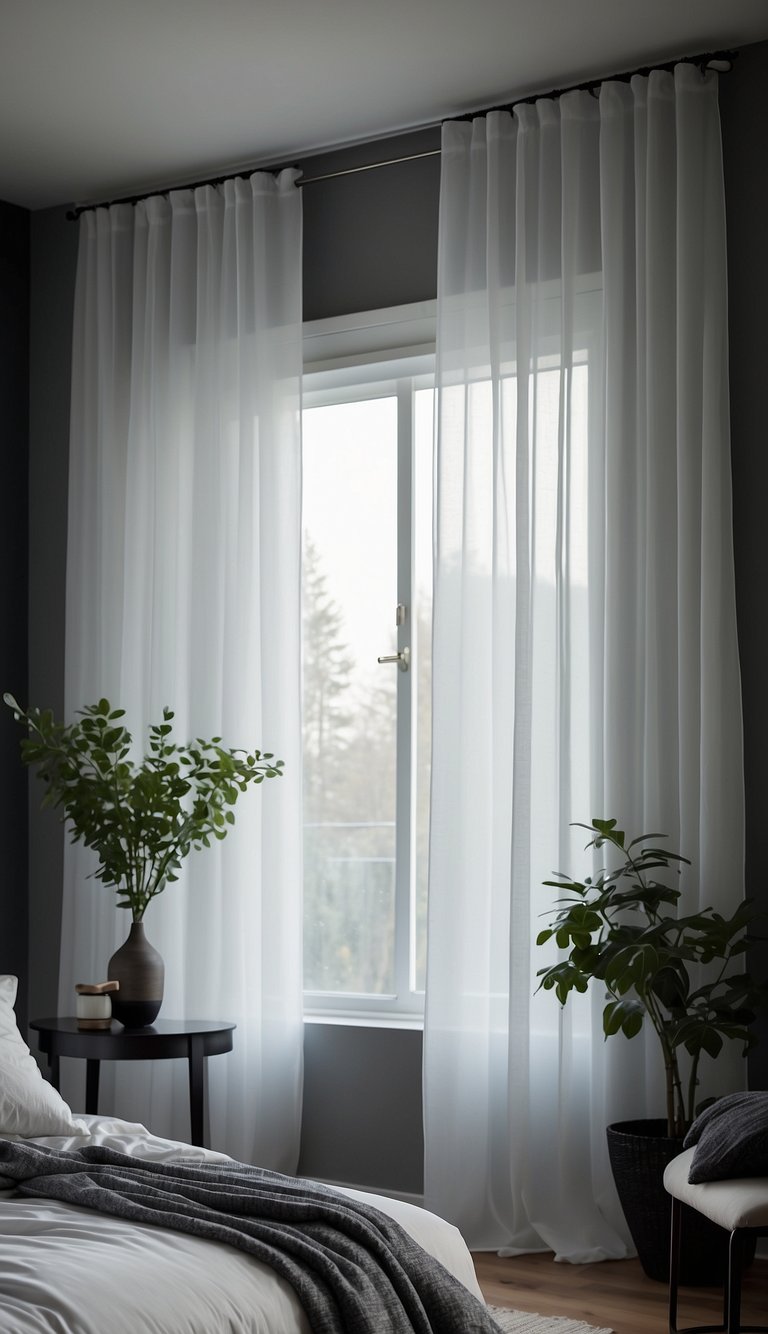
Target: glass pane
{"x":422,"y":715}
{"x":349,"y":589}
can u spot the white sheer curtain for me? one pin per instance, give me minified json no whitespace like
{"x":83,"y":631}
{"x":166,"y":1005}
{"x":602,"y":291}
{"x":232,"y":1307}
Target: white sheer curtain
{"x":585,"y":657}
{"x":183,"y":588}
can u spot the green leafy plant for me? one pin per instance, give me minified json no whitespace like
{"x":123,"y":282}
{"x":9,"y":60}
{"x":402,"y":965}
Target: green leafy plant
{"x":142,"y":819}
{"x":621,"y":928}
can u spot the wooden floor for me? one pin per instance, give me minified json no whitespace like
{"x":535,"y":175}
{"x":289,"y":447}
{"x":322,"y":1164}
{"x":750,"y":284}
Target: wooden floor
{"x":613,"y":1295}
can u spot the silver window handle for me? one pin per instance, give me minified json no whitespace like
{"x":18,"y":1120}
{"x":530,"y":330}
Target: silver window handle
{"x":403,"y":659}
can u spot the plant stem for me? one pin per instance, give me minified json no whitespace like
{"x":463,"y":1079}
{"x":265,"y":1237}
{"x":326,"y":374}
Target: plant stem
{"x":693,"y":1081}
{"x":675,"y":1102}
{"x":674,"y":1087}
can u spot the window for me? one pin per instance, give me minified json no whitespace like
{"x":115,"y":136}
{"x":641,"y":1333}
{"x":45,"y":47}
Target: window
{"x":367,"y":569}
{"x":368,"y":425}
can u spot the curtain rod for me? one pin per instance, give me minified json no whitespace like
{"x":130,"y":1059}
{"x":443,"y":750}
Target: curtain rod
{"x":721,"y":61}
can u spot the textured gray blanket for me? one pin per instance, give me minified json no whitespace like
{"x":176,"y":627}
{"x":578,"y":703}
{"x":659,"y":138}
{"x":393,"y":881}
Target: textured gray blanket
{"x":354,"y":1270}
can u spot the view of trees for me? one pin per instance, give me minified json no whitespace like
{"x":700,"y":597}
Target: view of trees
{"x":349,"y":805}
{"x":350,"y":703}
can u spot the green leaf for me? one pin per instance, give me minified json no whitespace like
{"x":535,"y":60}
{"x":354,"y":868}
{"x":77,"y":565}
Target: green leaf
{"x":612,"y":1018}
{"x":623,"y":1016}
{"x":632,"y":1024}
{"x":671,"y":985}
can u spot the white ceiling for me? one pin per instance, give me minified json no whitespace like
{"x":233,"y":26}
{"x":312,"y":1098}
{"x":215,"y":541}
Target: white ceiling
{"x":106,"y":97}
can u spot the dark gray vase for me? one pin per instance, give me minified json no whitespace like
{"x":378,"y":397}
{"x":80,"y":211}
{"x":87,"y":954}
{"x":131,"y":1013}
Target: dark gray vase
{"x":140,"y":970}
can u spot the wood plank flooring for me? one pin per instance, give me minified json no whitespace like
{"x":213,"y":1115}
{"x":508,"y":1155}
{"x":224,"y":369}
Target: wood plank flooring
{"x":613,"y":1295}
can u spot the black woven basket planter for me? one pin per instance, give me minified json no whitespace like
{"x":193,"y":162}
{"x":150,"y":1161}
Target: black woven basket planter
{"x":639,"y":1152}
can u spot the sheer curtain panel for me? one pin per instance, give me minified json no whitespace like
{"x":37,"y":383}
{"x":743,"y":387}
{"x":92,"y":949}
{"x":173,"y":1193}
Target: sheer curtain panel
{"x":585,"y":658}
{"x":183,"y":589}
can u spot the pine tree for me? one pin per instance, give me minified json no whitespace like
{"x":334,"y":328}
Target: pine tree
{"x":328,"y":708}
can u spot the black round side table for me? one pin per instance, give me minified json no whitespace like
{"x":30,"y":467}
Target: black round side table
{"x":167,"y":1038}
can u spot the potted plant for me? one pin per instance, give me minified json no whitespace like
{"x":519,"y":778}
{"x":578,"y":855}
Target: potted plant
{"x":681,"y":974}
{"x":142,"y":819}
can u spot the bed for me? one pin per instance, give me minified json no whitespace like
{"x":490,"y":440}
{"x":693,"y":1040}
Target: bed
{"x":69,"y":1270}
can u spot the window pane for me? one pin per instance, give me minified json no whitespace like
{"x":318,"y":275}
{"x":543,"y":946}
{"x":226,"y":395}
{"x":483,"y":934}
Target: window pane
{"x":349,"y":584}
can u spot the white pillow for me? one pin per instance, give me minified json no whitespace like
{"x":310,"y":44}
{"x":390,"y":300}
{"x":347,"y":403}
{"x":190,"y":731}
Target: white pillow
{"x":29,"y":1106}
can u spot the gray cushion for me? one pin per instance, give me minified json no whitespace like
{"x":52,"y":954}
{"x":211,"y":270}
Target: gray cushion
{"x":731,"y":1139}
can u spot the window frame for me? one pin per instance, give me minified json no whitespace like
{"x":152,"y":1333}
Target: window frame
{"x":385,"y":353}
{"x":387,"y":348}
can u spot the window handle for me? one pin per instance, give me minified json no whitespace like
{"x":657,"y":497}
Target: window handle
{"x":403,"y":659}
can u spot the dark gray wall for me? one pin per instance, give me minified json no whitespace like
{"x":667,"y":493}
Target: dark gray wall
{"x":362,"y":1106}
{"x":744,"y":114}
{"x":370,"y":240}
{"x":54,"y":256}
{"x":14,"y":398}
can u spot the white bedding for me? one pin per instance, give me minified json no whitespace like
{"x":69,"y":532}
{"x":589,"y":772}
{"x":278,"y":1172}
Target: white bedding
{"x":68,"y":1271}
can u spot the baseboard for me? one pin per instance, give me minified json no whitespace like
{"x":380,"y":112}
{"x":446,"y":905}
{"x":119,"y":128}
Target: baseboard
{"x":405,"y":1196}
{"x":408,"y":1198}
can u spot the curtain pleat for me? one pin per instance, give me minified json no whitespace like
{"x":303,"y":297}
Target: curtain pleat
{"x":183,"y":589}
{"x":585,"y":659}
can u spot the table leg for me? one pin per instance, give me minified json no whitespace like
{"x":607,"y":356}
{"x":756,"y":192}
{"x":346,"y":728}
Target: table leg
{"x":53,"y":1070}
{"x":196,"y":1090}
{"x":92,"y":1087}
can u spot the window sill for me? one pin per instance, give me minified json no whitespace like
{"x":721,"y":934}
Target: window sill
{"x":352,"y":1020}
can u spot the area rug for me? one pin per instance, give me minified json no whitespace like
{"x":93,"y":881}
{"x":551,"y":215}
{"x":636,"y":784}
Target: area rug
{"x":524,"y":1322}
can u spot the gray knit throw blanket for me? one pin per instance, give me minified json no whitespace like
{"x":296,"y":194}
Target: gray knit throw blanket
{"x":354,"y":1270}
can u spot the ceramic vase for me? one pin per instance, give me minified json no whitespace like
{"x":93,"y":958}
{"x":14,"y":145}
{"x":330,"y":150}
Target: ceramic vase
{"x":139,"y":969}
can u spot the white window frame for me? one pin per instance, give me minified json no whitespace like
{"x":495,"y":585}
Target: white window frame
{"x":389,"y":351}
{"x":382,"y":353}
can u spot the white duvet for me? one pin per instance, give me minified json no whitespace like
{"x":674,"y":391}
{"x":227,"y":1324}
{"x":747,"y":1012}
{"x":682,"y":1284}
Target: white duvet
{"x":69,"y":1271}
